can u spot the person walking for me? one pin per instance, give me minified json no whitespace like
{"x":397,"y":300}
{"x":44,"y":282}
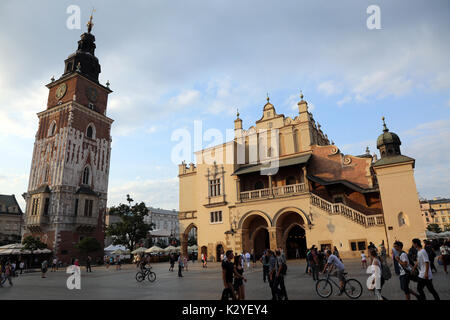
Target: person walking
{"x":363,"y":260}
{"x":404,"y":270}
{"x":239,"y":278}
{"x":247,"y":259}
{"x":378,"y":280}
{"x":21,"y":266}
{"x":180,"y":265}
{"x":279,"y":279}
{"x":431,"y":255}
{"x":445,"y":255}
{"x":272,"y":274}
{"x":54,"y":264}
{"x":172,"y":262}
{"x":314,"y":264}
{"x":425,"y":274}
{"x":227,"y":276}
{"x":88,"y":264}
{"x":44,"y":266}
{"x":8,"y":274}
{"x":265,"y":262}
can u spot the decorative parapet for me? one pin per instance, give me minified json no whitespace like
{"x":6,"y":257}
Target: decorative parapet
{"x":183,"y":168}
{"x":183,"y":215}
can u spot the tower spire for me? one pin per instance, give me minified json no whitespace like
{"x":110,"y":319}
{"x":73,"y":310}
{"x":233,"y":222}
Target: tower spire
{"x":90,"y":24}
{"x":385,"y":129}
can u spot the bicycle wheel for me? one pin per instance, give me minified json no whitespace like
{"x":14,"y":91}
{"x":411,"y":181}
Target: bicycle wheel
{"x":324,"y":288}
{"x":353,"y":288}
{"x":151,"y":276}
{"x":140,"y":276}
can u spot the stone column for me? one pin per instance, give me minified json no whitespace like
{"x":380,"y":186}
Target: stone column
{"x":238,"y":189}
{"x":273,"y":238}
{"x":270,"y":186}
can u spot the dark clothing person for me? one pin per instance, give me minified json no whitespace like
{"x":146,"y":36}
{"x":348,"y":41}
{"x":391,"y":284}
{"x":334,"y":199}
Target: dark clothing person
{"x":228,"y":268}
{"x":421,"y":283}
{"x":88,"y":265}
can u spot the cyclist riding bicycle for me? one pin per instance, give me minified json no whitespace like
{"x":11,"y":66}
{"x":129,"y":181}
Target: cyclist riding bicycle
{"x":144,"y":263}
{"x":334,"y":261}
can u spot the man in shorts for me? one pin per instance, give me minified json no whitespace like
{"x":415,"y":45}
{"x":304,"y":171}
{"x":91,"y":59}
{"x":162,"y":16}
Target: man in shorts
{"x":334,"y":261}
{"x":404,"y":270}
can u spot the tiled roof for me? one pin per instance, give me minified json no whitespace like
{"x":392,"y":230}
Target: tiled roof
{"x":9,"y":201}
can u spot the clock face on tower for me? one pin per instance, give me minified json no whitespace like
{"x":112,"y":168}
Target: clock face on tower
{"x":91,"y":94}
{"x":61,"y":91}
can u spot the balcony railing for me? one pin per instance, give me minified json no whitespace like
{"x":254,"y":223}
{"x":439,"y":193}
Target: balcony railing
{"x":276,"y":192}
{"x":36,"y":220}
{"x":352,"y":214}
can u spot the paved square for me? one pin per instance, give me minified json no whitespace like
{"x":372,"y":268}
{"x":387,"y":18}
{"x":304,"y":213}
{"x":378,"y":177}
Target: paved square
{"x":197,"y":283}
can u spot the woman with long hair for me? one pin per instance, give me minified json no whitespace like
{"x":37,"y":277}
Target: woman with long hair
{"x":239,"y":278}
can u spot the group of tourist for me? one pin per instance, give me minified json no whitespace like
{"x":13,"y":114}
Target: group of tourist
{"x":274,"y":270}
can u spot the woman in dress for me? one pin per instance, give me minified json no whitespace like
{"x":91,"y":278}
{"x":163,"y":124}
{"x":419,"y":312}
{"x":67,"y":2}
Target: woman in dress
{"x":239,"y":278}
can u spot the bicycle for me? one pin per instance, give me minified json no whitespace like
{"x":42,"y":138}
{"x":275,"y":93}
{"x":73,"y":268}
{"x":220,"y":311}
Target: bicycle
{"x":145,"y":273}
{"x":352,"y":287}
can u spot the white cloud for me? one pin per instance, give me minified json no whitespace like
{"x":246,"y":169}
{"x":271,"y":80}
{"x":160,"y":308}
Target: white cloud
{"x":344,"y":100}
{"x":161,"y":193}
{"x":329,"y":87}
{"x":185,"y":98}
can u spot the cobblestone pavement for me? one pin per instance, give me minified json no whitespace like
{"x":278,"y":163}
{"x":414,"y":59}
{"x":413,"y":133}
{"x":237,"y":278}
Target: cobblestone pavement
{"x":197,"y":283}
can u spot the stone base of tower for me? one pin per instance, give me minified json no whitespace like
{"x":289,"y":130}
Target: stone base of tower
{"x":65,"y":249}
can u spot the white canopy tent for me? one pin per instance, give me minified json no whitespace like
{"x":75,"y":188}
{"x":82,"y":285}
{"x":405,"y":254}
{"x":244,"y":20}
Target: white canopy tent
{"x":154,"y":249}
{"x":139,"y":250}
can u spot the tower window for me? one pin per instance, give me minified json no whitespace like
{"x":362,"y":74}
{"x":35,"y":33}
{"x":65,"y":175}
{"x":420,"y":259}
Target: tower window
{"x":86,"y":175}
{"x":90,"y":132}
{"x":46,"y":206}
{"x":88,"y":208}
{"x":52,"y":129}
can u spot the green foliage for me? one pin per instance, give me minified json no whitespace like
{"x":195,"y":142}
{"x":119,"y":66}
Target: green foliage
{"x":433,"y":227}
{"x":87,"y":245}
{"x":131,"y":229}
{"x":33,"y":244}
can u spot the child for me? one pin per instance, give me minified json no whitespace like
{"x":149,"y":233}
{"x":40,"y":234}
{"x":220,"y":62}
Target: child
{"x":363,"y":260}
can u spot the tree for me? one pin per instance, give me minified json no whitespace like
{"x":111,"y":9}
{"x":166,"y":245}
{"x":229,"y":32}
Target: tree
{"x":87,"y":245}
{"x":447,"y":227}
{"x":33,"y":244}
{"x":132,"y":229}
{"x":433,"y":227}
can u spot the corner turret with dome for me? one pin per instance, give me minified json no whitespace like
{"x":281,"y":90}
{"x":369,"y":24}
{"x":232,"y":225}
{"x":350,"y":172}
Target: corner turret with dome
{"x":388,"y":142}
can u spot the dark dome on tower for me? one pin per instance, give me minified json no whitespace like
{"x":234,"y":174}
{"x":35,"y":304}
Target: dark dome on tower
{"x":84,"y":60}
{"x":388,"y":142}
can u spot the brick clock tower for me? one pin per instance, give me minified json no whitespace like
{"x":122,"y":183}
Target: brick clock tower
{"x":68,"y":184}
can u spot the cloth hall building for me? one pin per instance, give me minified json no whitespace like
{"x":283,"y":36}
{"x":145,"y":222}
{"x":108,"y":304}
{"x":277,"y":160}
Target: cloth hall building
{"x":281,"y":183}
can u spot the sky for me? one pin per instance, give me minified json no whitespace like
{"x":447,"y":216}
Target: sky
{"x":173,"y":62}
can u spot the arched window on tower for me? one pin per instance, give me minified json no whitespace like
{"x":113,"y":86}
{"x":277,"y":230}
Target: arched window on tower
{"x":90,"y":131}
{"x":52,"y":129}
{"x":86,"y":175}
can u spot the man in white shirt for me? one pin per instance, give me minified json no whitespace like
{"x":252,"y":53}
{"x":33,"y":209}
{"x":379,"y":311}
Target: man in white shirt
{"x":404,"y":270}
{"x":333,"y":260}
{"x":247,"y":259}
{"x":425,"y":275}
